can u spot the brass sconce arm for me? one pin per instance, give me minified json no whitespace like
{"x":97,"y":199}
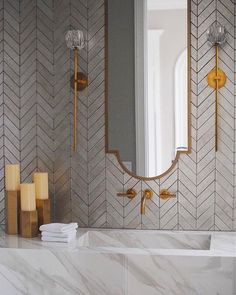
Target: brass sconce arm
{"x":216,"y":79}
{"x":75,"y":97}
{"x":79,"y":81}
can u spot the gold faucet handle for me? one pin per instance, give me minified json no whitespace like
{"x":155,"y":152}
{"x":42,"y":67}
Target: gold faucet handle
{"x":165,"y":194}
{"x":130,"y":193}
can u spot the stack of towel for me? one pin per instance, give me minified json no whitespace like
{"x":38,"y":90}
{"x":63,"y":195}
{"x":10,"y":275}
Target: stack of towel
{"x":58,"y":232}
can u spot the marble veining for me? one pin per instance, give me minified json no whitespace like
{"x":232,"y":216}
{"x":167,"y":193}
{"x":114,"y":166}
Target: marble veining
{"x":109,"y":262}
{"x":146,"y":240}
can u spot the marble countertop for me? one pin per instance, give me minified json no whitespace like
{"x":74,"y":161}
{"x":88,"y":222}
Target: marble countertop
{"x":223,"y":244}
{"x":30,"y":266}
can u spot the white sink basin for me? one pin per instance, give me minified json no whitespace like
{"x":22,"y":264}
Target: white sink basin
{"x":145,"y":240}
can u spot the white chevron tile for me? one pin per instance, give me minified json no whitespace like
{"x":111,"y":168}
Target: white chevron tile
{"x":36,"y":104}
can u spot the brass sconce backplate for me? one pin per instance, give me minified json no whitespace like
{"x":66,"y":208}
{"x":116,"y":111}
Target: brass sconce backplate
{"x":82,"y":81}
{"x":221,"y":77}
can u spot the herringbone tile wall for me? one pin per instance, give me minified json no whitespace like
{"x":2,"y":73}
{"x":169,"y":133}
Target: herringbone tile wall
{"x":36,"y":113}
{"x":27,"y":89}
{"x":204,"y":181}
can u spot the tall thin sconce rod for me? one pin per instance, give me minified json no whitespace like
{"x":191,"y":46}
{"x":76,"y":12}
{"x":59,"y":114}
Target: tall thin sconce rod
{"x":75,"y":97}
{"x":216,"y":95}
{"x":79,"y":81}
{"x":216,"y":35}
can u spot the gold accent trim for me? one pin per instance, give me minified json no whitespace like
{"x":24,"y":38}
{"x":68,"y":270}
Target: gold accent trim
{"x":165,"y":194}
{"x":130,"y":193}
{"x":147,"y":195}
{"x":116,"y":152}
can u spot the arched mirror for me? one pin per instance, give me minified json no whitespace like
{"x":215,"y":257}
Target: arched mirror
{"x":147,"y":84}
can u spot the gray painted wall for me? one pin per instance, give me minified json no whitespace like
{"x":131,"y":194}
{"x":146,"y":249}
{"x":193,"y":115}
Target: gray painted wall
{"x":121,"y":88}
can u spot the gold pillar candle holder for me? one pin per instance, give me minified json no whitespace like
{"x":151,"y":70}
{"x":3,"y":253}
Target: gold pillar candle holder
{"x":29,"y":224}
{"x":44,"y":211}
{"x":12,"y":208}
{"x":12,"y":212}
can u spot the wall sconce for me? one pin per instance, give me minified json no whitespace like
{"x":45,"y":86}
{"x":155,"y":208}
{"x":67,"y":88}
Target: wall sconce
{"x":216,"y":35}
{"x":79,"y":81}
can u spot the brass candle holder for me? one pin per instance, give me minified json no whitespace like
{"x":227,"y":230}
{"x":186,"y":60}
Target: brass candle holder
{"x":12,"y":210}
{"x":44,"y":211}
{"x":29,"y":224}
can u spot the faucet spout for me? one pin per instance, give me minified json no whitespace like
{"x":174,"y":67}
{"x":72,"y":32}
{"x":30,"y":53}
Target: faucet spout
{"x":143,"y":204}
{"x":147,"y":195}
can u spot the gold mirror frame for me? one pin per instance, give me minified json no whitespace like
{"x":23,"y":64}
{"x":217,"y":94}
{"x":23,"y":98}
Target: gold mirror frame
{"x":116,"y":152}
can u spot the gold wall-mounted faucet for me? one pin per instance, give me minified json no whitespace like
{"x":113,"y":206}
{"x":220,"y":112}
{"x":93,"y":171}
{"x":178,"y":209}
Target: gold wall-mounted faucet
{"x":147,"y":195}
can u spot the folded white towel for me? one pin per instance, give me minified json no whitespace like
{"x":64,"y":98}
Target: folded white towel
{"x":58,"y":227}
{"x":59,"y":235}
{"x":57,"y":239}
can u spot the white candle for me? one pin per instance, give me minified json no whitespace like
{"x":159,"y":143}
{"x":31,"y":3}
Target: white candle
{"x":27,"y":196}
{"x":12,"y":177}
{"x":41,"y":185}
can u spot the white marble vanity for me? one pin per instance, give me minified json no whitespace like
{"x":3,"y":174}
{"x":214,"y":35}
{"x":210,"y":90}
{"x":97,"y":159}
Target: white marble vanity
{"x":120,"y":262}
